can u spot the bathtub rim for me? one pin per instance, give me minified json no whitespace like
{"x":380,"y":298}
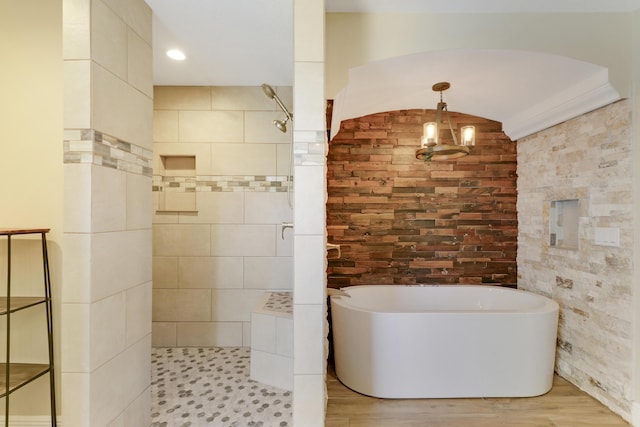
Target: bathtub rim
{"x":548,"y":304}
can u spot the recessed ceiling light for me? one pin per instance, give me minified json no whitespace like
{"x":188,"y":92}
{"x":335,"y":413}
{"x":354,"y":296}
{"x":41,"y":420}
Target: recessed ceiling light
{"x":176,"y":54}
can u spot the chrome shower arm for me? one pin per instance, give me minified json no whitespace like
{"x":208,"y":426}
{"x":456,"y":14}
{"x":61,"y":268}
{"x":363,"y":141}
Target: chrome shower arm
{"x":268,"y":90}
{"x":282,"y":107}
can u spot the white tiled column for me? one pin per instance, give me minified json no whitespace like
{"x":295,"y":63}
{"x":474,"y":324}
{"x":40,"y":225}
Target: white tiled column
{"x":105,"y":358}
{"x":309,"y":311}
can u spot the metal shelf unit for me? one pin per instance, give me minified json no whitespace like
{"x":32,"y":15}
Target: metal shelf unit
{"x":15,"y":375}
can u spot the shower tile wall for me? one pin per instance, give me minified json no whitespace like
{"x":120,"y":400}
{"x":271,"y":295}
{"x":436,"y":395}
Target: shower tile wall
{"x":587,"y":158}
{"x":212,"y":265}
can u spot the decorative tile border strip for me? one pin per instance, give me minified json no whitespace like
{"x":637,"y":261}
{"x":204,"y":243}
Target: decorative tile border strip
{"x":94,"y":147}
{"x":309,"y":148}
{"x":222,"y":183}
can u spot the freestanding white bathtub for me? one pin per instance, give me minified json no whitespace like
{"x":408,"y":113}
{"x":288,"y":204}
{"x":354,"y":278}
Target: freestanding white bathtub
{"x":395,"y":341}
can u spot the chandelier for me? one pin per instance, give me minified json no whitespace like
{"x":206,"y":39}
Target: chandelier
{"x":431,"y":146}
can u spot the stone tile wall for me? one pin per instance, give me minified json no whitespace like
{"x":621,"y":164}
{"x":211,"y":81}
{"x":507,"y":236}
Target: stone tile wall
{"x":589,"y":159}
{"x":400,"y":220}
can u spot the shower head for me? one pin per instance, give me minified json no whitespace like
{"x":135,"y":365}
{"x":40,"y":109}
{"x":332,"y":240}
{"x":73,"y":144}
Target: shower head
{"x":280,"y":124}
{"x":268,"y":90}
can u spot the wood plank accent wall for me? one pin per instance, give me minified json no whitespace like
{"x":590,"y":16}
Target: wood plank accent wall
{"x":400,"y":220}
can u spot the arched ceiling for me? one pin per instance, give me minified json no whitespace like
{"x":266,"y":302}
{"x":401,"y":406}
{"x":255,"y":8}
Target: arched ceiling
{"x":526,"y":91}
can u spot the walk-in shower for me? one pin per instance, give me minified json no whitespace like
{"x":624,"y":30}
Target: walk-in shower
{"x":280,"y":124}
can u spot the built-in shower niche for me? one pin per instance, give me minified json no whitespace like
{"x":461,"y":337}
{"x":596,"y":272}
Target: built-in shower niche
{"x":564,"y":216}
{"x":178,"y":189}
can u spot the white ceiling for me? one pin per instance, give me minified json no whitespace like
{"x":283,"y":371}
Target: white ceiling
{"x":227,"y":42}
{"x":249,"y":42}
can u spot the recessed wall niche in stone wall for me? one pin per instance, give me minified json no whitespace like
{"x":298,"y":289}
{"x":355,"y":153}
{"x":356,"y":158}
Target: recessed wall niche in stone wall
{"x":400,"y":220}
{"x":564,"y":219}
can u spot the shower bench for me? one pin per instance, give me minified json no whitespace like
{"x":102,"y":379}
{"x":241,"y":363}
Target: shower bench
{"x":272,"y":340}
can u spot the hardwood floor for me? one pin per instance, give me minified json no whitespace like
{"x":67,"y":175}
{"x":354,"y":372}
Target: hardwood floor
{"x":564,"y":406}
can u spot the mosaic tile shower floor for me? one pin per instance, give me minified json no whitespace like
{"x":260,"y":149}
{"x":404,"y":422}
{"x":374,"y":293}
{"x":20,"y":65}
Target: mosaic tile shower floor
{"x":193,"y":387}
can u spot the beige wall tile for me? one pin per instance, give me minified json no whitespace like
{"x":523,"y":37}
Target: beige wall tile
{"x":259,"y":127}
{"x":210,"y":272}
{"x":107,"y":328}
{"x":74,"y":352}
{"x":268,"y":272}
{"x":285,"y":93}
{"x":246,"y":334}
{"x":139,"y":63}
{"x":267,"y":208}
{"x":243,"y":240}
{"x":310,"y":205}
{"x":77,"y":94}
{"x":308,"y":271}
{"x":208,"y":334}
{"x":164,"y":334}
{"x":165,"y":126}
{"x":118,"y":422}
{"x":284,"y":160}
{"x":309,"y":407}
{"x":181,"y":240}
{"x":217,"y":208}
{"x":200,"y":150}
{"x":181,"y":305}
{"x":136,"y":14}
{"x":159,"y":216}
{"x":211,"y":126}
{"x":77,"y":405}
{"x":138,"y":313}
{"x":284,"y":247}
{"x":139,"y":201}
{"x":164,"y":305}
{"x":165,"y":272}
{"x":119,"y":382}
{"x":76,"y":266}
{"x":179,"y":201}
{"x":263,"y":332}
{"x":284,"y":336}
{"x":77,"y":198}
{"x":244,"y":159}
{"x":119,"y":261}
{"x":182,"y":98}
{"x":76,"y":18}
{"x":138,"y":414}
{"x":308,"y":339}
{"x":234,"y":305}
{"x":240,"y":98}
{"x":121,"y":110}
{"x":108,"y":39}
{"x":108,"y":199}
{"x":269,"y":368}
{"x":309,"y":96}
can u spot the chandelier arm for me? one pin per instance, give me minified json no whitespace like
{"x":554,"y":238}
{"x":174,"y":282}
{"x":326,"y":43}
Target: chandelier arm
{"x":453,"y":134}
